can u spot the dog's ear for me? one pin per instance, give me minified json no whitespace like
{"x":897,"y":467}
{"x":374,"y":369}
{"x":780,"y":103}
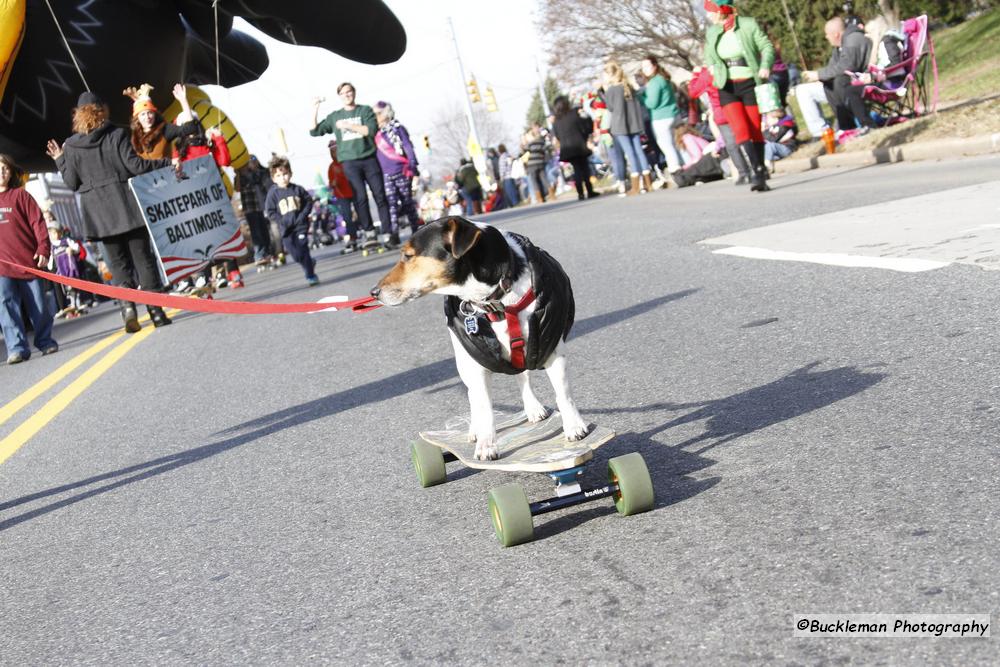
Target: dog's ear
{"x":461,"y":235}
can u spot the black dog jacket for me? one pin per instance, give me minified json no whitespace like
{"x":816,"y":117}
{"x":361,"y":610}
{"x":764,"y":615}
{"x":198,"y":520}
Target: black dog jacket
{"x":551,"y":320}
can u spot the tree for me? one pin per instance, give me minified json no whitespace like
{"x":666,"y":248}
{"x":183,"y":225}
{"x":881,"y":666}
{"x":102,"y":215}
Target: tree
{"x":582,"y":34}
{"x":810,"y":16}
{"x":449,"y":137}
{"x":536,"y":111}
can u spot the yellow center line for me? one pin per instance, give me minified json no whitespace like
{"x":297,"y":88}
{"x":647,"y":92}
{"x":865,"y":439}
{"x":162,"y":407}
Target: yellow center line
{"x":61,"y":401}
{"x":8,"y":411}
{"x":57,"y":404}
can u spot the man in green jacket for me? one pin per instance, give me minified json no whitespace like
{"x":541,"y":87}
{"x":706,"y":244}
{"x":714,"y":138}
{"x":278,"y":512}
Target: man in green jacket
{"x":740,"y":57}
{"x":354,"y":126}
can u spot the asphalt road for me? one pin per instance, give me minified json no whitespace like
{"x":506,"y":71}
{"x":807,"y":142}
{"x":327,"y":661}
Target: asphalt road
{"x":822,"y":439}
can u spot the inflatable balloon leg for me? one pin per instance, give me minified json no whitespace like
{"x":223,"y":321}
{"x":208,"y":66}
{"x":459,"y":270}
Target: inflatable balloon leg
{"x":11,"y":36}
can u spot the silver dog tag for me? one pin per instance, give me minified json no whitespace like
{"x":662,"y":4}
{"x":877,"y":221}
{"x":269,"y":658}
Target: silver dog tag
{"x":471,"y":325}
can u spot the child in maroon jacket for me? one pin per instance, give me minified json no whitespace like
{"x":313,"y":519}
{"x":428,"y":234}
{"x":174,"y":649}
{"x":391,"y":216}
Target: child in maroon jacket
{"x":24,"y":241}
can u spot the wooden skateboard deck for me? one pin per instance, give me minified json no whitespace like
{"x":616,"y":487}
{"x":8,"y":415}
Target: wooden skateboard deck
{"x":523,"y":446}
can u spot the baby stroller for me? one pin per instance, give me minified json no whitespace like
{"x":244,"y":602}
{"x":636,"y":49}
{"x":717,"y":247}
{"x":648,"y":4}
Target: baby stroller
{"x":897,"y":87}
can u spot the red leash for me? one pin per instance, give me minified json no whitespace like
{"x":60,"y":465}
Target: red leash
{"x":362,"y":305}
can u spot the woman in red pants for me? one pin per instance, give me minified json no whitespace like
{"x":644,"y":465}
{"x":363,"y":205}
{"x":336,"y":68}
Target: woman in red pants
{"x":740,"y":56}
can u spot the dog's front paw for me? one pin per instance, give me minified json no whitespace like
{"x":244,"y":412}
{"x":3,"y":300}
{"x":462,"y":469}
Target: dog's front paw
{"x":486,"y":448}
{"x":574,"y":432}
{"x":536,"y":412}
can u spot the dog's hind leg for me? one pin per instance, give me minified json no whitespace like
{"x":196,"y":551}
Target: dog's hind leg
{"x":482,"y":425}
{"x":574,"y":428}
{"x":533,"y":408}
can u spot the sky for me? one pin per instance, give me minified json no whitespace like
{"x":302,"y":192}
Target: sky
{"x":498,"y":43}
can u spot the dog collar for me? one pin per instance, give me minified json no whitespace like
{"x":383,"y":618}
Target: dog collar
{"x":492,"y":304}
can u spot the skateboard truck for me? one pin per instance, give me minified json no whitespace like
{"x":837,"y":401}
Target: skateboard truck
{"x":569,"y":492}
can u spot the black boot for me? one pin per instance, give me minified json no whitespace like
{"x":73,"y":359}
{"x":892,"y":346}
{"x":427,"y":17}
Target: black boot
{"x":762,"y":154}
{"x":130,"y":317}
{"x":755,"y":158}
{"x":158,"y":317}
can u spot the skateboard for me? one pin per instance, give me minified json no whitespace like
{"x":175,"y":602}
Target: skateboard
{"x":539,"y":448}
{"x":369,"y":246}
{"x":364,"y":247}
{"x":371,"y":242}
{"x":71,"y":312}
{"x":204,"y":292}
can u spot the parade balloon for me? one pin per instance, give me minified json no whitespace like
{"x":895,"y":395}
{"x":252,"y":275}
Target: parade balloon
{"x":160,"y":42}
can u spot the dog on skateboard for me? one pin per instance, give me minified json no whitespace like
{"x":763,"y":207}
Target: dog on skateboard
{"x":509,"y":306}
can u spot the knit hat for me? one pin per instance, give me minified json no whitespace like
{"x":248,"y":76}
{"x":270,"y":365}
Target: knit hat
{"x":721,"y":6}
{"x":88,"y":97}
{"x":140,"y":99}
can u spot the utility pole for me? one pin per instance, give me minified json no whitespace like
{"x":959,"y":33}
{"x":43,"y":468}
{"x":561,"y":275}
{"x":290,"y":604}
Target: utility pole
{"x":541,"y":91}
{"x":475,"y":147}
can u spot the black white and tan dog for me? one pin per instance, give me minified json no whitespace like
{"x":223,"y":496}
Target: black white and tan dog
{"x":509,"y":306}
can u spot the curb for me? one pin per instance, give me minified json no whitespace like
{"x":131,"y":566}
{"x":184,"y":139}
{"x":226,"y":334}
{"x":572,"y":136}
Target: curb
{"x":924,"y":150}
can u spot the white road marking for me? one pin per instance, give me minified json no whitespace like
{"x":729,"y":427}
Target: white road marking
{"x":834,"y":259}
{"x":919,"y":233}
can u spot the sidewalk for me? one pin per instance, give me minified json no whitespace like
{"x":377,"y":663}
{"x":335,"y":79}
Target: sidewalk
{"x":943,"y":134}
{"x":917,"y":150}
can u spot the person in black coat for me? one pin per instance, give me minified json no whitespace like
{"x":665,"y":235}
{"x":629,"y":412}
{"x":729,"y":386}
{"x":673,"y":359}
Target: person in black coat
{"x":97,"y":162}
{"x":573,"y":132}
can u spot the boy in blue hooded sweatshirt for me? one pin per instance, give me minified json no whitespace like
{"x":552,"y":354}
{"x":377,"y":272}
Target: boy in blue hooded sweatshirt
{"x":288,"y":205}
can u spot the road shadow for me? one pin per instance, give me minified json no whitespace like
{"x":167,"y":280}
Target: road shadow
{"x":797,"y":393}
{"x":385,"y":389}
{"x":100,"y":484}
{"x":671,"y":466}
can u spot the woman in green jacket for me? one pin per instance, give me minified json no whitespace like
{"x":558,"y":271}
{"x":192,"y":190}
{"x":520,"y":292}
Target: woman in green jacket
{"x":658,"y":96}
{"x":740,"y":57}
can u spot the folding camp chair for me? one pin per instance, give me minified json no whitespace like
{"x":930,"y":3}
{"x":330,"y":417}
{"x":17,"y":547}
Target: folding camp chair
{"x":901,"y":90}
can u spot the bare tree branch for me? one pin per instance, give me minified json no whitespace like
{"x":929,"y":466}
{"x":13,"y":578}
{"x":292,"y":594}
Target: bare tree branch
{"x":449,"y":136}
{"x":582,"y":34}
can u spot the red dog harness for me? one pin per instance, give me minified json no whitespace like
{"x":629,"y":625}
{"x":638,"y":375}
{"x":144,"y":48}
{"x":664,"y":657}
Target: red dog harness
{"x":514,"y":327}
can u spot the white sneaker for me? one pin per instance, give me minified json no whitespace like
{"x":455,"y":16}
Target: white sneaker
{"x":200,"y":282}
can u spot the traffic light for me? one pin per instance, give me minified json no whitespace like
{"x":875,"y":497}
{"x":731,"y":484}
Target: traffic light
{"x":491,"y":100}
{"x":427,"y":143}
{"x":473,"y":90}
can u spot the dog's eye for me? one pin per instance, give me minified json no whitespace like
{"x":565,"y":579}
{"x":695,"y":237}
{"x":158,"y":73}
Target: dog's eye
{"x":406,"y":258}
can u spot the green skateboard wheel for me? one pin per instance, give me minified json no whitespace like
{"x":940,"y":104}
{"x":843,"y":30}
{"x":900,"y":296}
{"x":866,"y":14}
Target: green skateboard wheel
{"x":428,"y":461}
{"x":635,"y":487}
{"x":511,"y":515}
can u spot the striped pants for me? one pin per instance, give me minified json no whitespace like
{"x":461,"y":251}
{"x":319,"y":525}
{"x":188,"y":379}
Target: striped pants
{"x":399,"y":192}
